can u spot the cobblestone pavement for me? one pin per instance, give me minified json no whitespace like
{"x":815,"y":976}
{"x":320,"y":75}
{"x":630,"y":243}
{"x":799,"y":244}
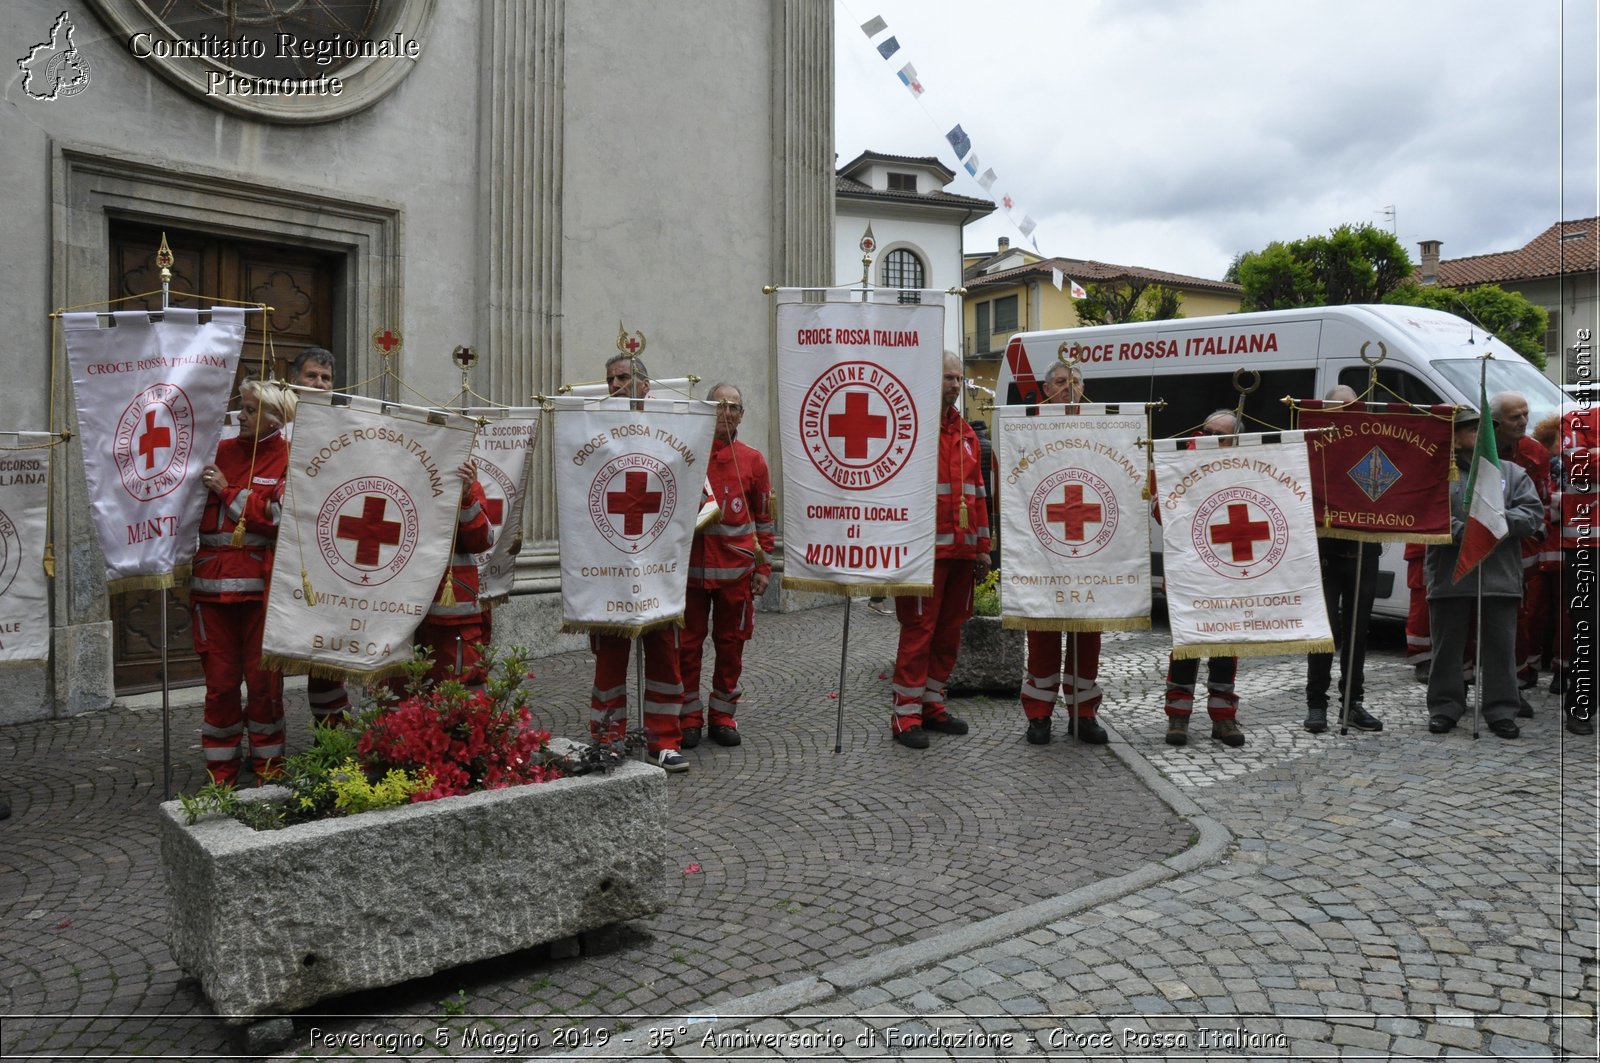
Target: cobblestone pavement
{"x":787,"y":859}
{"x":1392,"y":895}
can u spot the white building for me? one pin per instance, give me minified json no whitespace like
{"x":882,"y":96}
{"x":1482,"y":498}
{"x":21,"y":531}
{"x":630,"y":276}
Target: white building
{"x":916,"y":224}
{"x":513,"y":175}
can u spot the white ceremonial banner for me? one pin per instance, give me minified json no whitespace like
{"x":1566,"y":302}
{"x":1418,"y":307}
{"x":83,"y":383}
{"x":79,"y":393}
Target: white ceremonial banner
{"x":369,"y":518}
{"x":502,"y":451}
{"x":858,"y":416}
{"x":150,"y":396}
{"x":1241,"y":566}
{"x":24,"y":588}
{"x":1075,"y":552}
{"x":629,"y":476}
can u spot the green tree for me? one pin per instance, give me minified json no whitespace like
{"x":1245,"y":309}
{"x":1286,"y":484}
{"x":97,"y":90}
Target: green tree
{"x":1118,"y":304}
{"x":1352,"y":264}
{"x":1508,"y":316}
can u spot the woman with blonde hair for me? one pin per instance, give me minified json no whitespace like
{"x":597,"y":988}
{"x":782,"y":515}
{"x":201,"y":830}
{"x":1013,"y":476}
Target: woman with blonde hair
{"x":228,"y":591}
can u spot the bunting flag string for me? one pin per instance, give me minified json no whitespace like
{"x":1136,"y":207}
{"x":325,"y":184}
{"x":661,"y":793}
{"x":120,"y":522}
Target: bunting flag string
{"x":960,"y":142}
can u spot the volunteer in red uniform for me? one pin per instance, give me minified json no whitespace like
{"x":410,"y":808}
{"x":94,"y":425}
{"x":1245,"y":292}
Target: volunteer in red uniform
{"x":1580,"y":512}
{"x":627,"y":377}
{"x":228,"y":589}
{"x":1222,"y":703}
{"x":454,"y":626}
{"x":1045,"y":669}
{"x":330,"y":701}
{"x":729,"y":568}
{"x":930,"y":626}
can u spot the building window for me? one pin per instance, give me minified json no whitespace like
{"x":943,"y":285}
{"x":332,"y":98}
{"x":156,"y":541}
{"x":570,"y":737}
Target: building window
{"x":902,"y":182}
{"x":1005,"y":314}
{"x":903,"y":269}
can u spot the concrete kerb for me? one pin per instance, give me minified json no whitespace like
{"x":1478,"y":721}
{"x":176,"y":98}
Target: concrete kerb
{"x":1209,"y":847}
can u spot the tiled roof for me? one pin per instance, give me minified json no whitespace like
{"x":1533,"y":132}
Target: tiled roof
{"x":848,"y":186}
{"x":1086,"y":270}
{"x":1546,"y":255}
{"x":931,"y":161}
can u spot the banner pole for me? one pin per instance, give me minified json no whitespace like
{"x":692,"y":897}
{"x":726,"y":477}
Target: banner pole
{"x":1347,"y":657}
{"x":1477,"y":657}
{"x":638,"y":679}
{"x":844,"y":656}
{"x":166,"y":708}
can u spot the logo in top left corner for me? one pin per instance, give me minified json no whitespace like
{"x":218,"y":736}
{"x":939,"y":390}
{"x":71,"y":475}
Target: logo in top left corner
{"x":55,"y":69}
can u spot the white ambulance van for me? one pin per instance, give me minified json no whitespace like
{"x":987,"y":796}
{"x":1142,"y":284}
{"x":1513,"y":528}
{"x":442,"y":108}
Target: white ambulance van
{"x":1428,"y":357}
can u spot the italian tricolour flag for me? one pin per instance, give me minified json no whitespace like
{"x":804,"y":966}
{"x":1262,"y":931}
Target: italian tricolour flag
{"x":1486,"y":504}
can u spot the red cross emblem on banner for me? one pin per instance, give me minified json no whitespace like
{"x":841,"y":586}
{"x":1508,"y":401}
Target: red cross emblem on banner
{"x":1073,"y":513}
{"x":1239,"y":533}
{"x":856,"y":425}
{"x":153,"y":438}
{"x":496,"y":510}
{"x":633,"y":503}
{"x":370,"y":532}
{"x":387,"y":341}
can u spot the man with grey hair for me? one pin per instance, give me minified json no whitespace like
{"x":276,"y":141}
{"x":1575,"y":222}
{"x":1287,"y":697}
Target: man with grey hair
{"x":1349,"y":603}
{"x":729,"y":568}
{"x":627,"y":377}
{"x":1222,"y":704}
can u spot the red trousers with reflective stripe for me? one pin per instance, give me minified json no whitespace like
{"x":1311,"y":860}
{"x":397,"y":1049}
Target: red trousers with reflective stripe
{"x":930,"y":637}
{"x":1221,"y":702}
{"x":1046,"y":671}
{"x":227,"y":636}
{"x":445,"y":640}
{"x":329,"y":701}
{"x":1419,"y":636}
{"x":730,"y":612}
{"x":663,"y":691}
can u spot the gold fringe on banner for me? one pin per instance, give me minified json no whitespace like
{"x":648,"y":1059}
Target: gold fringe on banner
{"x":1253,"y":649}
{"x":1382,"y":537}
{"x":621,"y":631}
{"x":158,"y":582}
{"x":1075,"y":623}
{"x":274,"y":662}
{"x":851,"y":590}
{"x":24,"y":664}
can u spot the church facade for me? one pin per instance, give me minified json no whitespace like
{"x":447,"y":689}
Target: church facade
{"x":397,"y":178}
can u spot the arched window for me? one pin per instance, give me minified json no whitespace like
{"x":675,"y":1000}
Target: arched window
{"x":903,"y":269}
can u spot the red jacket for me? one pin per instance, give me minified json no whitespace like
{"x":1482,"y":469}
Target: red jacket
{"x":474,"y":535}
{"x":960,"y":480}
{"x":255,"y":470}
{"x":1534,"y":460}
{"x":725,"y":552}
{"x":1580,"y":471}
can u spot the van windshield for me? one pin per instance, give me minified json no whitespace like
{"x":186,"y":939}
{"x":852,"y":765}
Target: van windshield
{"x":1505,"y":374}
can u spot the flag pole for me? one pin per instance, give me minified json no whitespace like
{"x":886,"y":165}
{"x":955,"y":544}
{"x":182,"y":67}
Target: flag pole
{"x":868,"y":245}
{"x":1477,"y":656}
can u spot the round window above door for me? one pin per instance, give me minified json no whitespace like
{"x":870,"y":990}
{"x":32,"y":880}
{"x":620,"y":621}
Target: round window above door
{"x":291,"y":61}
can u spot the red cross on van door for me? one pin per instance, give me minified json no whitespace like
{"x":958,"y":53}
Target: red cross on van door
{"x":857,"y":426}
{"x":634,"y":503}
{"x":370,"y":532}
{"x":1240,"y":533}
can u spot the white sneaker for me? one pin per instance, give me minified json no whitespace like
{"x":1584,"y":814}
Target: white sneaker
{"x":669,"y":760}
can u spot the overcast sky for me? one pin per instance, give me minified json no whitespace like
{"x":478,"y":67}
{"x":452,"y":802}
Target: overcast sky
{"x":1174,"y":134}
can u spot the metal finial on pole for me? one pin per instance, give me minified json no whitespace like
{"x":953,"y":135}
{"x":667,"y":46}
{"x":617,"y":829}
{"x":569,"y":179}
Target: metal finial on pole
{"x":869,"y":244}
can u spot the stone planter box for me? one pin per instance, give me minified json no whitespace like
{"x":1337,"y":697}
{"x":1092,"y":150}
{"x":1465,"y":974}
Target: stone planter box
{"x":991,"y":658}
{"x":273,"y":921}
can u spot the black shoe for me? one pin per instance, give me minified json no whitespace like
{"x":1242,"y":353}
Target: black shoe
{"x":1039,"y":732}
{"x":912,"y":738}
{"x":1578,"y":725}
{"x":1316,"y":719}
{"x":1090,"y":731}
{"x":1558,"y":681}
{"x":1504,"y":728}
{"x":691,"y":737}
{"x":944,"y":724}
{"x":1530,"y":682}
{"x":1438,"y":725}
{"x":1362,"y":720}
{"x":723,"y":735}
{"x":1524,"y":710}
